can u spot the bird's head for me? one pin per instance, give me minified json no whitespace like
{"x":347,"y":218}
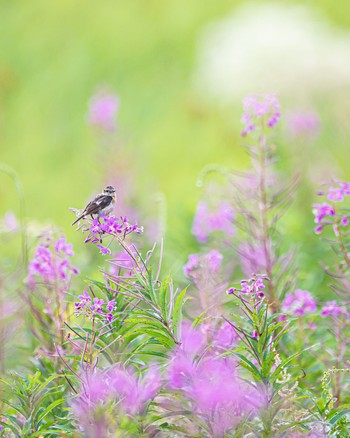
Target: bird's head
{"x":109,"y":191}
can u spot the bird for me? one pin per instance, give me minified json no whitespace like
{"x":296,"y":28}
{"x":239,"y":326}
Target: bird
{"x":103,"y":203}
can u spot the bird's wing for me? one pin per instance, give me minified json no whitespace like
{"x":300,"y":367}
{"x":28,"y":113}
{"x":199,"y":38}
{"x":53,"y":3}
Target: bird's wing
{"x":97,"y":204}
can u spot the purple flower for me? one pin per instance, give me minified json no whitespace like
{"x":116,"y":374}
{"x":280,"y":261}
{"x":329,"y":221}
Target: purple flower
{"x":253,"y":259}
{"x":260,"y":110}
{"x":300,"y":303}
{"x":84,"y":299}
{"x":64,"y":247}
{"x":133,"y":392}
{"x":51,"y":265}
{"x":102,"y":110}
{"x":97,"y":306}
{"x":104,"y":250}
{"x":305,"y":124}
{"x":207,"y":222}
{"x":225,"y":337}
{"x":344,"y":221}
{"x":192,"y":265}
{"x":214,"y":260}
{"x":331,"y":308}
{"x":321,"y":211}
{"x":111,"y":305}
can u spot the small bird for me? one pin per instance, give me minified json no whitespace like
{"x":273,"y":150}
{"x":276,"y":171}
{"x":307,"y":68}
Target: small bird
{"x":103,"y":203}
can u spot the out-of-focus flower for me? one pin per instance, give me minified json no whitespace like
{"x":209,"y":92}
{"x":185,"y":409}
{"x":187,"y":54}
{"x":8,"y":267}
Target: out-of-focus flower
{"x":9,"y":224}
{"x":253,"y":259}
{"x":331,"y":308}
{"x":327,"y":214}
{"x":64,"y":247}
{"x":134,"y":392}
{"x":50,"y":263}
{"x":103,"y":107}
{"x":104,"y":250}
{"x":322,"y":211}
{"x":210,"y":262}
{"x":260,"y":111}
{"x":300,"y":303}
{"x":303,"y":124}
{"x":128,"y":392}
{"x":210,"y":385}
{"x":208,"y":221}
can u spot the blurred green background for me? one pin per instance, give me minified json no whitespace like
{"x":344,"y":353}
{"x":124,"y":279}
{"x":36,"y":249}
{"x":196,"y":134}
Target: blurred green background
{"x":53,"y":57}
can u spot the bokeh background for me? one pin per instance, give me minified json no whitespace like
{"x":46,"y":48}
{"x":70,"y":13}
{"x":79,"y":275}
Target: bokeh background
{"x":180,"y":69}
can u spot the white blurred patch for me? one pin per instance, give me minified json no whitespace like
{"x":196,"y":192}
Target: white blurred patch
{"x":271,"y":47}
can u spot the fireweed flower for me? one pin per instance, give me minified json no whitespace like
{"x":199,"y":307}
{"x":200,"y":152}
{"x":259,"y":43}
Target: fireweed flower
{"x":51,"y":265}
{"x":252,"y":287}
{"x":128,"y":392}
{"x":92,"y":307}
{"x":210,"y":385}
{"x":331,"y":308}
{"x":111,"y":225}
{"x":211,"y":262}
{"x":208,"y":221}
{"x":331,"y":213}
{"x":260,"y":110}
{"x":102,"y":110}
{"x":300,"y":303}
{"x":303,"y":124}
{"x":323,"y":213}
{"x":252,"y":257}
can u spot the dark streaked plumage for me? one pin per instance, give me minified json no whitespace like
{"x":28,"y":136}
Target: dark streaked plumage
{"x":103,"y":203}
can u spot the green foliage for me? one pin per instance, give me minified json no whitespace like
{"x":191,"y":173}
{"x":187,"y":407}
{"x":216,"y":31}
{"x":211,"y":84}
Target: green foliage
{"x":34,"y":406}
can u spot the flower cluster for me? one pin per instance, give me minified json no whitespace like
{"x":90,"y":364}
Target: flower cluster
{"x":331,"y":308}
{"x":207,"y":222}
{"x":121,"y":384}
{"x":264,"y":110}
{"x":252,"y":257}
{"x":50,"y":263}
{"x":252,"y":286}
{"x":329,"y":214}
{"x":102,"y":110}
{"x":92,"y":307}
{"x":210,"y":262}
{"x":211,"y":384}
{"x":110,"y":225}
{"x":300,"y":303}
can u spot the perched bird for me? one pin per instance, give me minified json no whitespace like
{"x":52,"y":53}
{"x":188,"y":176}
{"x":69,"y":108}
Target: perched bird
{"x":103,"y":203}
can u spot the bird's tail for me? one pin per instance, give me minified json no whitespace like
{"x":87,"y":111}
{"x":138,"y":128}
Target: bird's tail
{"x":77,"y":220}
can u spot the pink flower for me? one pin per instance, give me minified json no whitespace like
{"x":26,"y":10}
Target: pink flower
{"x":300,"y":303}
{"x":331,"y":308}
{"x":263,"y":109}
{"x":208,"y":221}
{"x":304,"y":124}
{"x":102,"y":110}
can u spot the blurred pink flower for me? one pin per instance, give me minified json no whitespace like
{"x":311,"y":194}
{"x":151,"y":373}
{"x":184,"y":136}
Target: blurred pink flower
{"x":264,"y":109}
{"x":207,"y":221}
{"x":331,"y":308}
{"x":103,"y":107}
{"x":300,"y":303}
{"x":303,"y":124}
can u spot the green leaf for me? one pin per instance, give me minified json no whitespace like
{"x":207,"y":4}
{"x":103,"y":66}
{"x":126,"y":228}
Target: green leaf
{"x":249,"y":365}
{"x":49,"y":409}
{"x":176,"y":317}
